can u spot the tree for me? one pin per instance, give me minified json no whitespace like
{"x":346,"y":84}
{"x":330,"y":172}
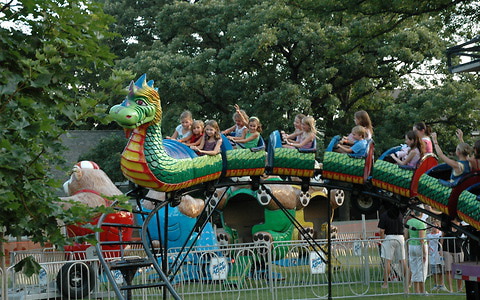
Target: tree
{"x":320,"y":57}
{"x":42,"y":94}
{"x":134,"y":24}
{"x":444,"y":109}
{"x":278,"y":58}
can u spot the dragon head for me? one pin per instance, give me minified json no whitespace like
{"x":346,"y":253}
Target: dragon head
{"x":141,"y":106}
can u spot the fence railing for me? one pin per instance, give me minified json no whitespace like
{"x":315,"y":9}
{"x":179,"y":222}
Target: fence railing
{"x":442,"y":252}
{"x":288,"y":270}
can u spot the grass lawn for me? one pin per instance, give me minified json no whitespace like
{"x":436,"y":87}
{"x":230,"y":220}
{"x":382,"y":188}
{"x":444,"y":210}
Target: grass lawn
{"x":354,"y":276}
{"x":402,"y":297}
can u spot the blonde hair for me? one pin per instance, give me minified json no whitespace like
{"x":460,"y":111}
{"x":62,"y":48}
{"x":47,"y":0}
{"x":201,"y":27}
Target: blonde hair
{"x":300,"y":117}
{"x":360,"y":130}
{"x":198,"y":123}
{"x":186,"y":115}
{"x":310,"y":121}
{"x":256,"y":120}
{"x":215,"y":126}
{"x":240,"y":114}
{"x":465,"y":149}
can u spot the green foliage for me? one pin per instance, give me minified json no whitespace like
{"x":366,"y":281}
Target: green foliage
{"x":444,"y":109}
{"x":135,"y":24}
{"x":278,"y":58}
{"x":44,"y":92}
{"x":28,"y":265}
{"x":108,"y":153}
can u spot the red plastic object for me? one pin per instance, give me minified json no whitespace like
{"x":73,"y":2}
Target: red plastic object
{"x":109,"y":233}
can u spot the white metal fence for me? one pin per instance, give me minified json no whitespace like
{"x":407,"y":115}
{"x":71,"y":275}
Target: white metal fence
{"x":293,"y":270}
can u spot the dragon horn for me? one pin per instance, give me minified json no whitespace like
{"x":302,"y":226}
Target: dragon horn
{"x":141,"y":81}
{"x":131,"y":90}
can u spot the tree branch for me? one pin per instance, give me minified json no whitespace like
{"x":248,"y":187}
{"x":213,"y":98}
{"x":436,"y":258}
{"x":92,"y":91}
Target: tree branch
{"x":6,"y":6}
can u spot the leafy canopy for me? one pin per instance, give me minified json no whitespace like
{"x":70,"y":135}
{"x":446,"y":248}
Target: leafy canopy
{"x":321,"y":57}
{"x":47,"y":55}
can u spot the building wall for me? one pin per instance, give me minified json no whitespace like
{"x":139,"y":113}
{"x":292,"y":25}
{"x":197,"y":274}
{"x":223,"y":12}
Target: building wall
{"x":78,"y":142}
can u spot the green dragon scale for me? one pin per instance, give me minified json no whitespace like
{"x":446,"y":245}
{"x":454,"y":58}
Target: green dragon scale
{"x":146,"y":161}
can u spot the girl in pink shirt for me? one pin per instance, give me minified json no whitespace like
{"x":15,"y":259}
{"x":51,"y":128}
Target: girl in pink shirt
{"x":417,"y":150}
{"x":424,"y":132}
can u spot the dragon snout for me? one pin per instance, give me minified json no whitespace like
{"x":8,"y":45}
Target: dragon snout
{"x":124,"y":116}
{"x":115,"y":109}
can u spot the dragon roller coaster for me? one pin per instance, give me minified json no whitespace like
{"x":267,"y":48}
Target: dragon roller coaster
{"x":171,"y":167}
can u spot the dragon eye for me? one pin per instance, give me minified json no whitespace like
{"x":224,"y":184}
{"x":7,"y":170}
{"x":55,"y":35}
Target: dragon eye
{"x":141,"y":102}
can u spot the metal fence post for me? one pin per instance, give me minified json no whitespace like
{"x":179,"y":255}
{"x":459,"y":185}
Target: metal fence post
{"x":270,"y":271}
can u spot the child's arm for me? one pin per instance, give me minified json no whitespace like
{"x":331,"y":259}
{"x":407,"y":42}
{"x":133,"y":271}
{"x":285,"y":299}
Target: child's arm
{"x":199,"y":146}
{"x":244,"y":140}
{"x":409,"y":157}
{"x":196,"y":143}
{"x":214,"y":151}
{"x":459,"y":134}
{"x":237,"y":109}
{"x":345,"y":141}
{"x":229,"y":130}
{"x":452,"y":163}
{"x":173,"y":136}
{"x":343,"y":149}
{"x":382,"y":233}
{"x":185,"y":139}
{"x":291,"y":136}
{"x":238,"y":138}
{"x":422,"y":235}
{"x":309,"y":139}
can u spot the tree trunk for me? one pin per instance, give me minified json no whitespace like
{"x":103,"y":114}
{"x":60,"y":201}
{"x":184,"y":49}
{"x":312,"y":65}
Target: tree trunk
{"x":3,"y":266}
